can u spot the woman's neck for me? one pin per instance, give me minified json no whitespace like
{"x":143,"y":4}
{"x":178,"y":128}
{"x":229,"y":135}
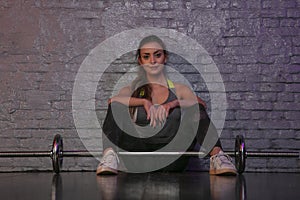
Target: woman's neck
{"x":159,"y":79}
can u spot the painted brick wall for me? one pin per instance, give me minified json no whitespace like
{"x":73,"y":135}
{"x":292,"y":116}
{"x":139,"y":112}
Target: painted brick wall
{"x":254,"y":43}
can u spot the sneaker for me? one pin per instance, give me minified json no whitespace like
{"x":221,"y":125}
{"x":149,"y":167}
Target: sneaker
{"x":221,"y":164}
{"x":109,"y":163}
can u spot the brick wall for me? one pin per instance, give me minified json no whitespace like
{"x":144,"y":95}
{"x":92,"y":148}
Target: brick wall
{"x":255,"y":45}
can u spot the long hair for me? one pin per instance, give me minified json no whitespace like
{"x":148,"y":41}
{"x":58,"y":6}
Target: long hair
{"x":140,"y":86}
{"x":140,"y":83}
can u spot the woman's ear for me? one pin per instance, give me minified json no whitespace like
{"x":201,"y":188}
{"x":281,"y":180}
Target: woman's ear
{"x":139,"y":60}
{"x":166,"y":59}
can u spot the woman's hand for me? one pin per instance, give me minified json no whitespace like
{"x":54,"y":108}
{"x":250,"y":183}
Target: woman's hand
{"x":151,"y":111}
{"x":152,"y":115}
{"x":147,"y":106}
{"x":162,"y":112}
{"x":200,"y":101}
{"x":159,"y":114}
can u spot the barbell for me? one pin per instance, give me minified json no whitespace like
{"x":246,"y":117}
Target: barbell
{"x":57,"y":153}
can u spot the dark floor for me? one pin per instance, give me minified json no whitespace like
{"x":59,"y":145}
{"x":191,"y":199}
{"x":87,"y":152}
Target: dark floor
{"x":187,"y":185}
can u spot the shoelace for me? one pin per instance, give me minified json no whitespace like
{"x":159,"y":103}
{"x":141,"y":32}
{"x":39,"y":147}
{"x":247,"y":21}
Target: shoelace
{"x":107,"y":159}
{"x":225,"y":158}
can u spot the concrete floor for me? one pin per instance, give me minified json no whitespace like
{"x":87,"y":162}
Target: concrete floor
{"x":159,"y":185}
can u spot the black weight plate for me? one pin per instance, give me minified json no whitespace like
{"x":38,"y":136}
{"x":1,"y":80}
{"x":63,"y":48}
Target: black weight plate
{"x":240,"y":154}
{"x":57,"y":153}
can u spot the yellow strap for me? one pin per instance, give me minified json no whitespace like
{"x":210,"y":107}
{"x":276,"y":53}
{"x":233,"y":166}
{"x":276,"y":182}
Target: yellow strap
{"x":142,"y":93}
{"x":170,"y":83}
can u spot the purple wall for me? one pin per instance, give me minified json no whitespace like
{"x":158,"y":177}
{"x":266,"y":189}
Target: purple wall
{"x":254,"y":43}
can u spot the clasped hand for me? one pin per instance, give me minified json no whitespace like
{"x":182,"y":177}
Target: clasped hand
{"x":157,"y":114}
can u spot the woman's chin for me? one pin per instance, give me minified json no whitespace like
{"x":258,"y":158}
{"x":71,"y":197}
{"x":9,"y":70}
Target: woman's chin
{"x":154,"y":71}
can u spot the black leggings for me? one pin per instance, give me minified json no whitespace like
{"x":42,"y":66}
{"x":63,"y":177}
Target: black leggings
{"x":117,"y":120}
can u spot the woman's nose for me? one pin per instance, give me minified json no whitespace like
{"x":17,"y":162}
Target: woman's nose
{"x":152,"y":59}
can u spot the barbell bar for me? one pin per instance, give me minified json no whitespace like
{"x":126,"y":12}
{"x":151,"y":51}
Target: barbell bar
{"x":57,"y":153}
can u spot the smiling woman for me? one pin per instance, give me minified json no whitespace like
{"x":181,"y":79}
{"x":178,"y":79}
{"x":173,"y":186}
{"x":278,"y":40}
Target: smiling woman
{"x":155,"y":101}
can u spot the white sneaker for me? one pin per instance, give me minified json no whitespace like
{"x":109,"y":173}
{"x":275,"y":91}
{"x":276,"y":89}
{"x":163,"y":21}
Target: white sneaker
{"x":109,"y":163}
{"x":221,"y":164}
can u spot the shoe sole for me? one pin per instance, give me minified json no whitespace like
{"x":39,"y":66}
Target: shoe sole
{"x":106,"y":171}
{"x":228,"y":172}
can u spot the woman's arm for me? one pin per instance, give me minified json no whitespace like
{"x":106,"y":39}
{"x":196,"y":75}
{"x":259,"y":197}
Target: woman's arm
{"x":124,"y":97}
{"x":185,"y":98}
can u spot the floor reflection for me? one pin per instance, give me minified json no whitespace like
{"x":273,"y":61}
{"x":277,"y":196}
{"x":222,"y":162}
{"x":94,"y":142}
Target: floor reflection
{"x":108,"y":186}
{"x":225,"y":187}
{"x":241,"y":188}
{"x":168,"y":186}
{"x":138,"y":186}
{"x":56,"y":188}
{"x":188,"y":185}
{"x":163,"y":186}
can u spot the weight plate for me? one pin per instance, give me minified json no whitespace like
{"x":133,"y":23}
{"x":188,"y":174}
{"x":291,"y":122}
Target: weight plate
{"x":240,"y":154}
{"x":57,"y":153}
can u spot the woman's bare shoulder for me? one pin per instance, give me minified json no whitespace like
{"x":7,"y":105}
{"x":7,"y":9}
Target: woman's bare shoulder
{"x":125,"y":91}
{"x":183,"y":91}
{"x":181,"y":86}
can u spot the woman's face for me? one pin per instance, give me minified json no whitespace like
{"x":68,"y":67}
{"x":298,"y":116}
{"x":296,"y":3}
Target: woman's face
{"x":152,"y":58}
